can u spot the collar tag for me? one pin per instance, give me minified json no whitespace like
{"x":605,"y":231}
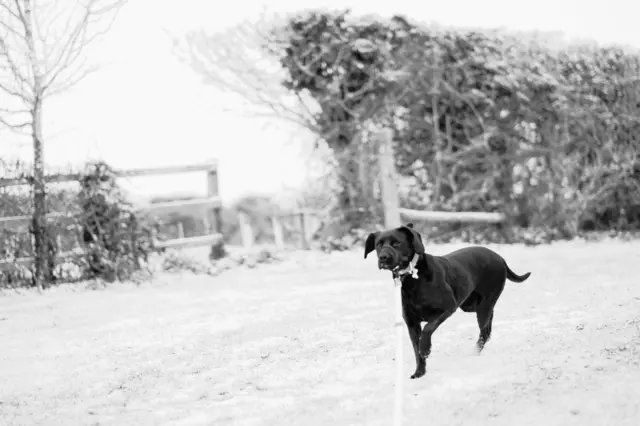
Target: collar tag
{"x":411,"y":269}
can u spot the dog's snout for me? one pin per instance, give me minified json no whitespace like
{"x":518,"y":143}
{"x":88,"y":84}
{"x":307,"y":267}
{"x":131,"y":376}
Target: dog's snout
{"x":386,"y":258}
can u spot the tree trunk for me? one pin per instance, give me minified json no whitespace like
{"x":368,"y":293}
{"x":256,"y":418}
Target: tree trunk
{"x":40,"y":234}
{"x":41,"y":252}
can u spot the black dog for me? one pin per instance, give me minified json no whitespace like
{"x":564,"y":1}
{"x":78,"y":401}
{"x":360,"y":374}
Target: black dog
{"x":434,"y":287}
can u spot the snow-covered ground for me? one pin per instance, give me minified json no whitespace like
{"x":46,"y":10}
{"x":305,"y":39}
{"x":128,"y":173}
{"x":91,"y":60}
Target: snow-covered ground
{"x":310,"y":342}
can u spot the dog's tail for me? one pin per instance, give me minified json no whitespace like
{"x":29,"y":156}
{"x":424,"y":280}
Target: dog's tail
{"x":512,"y":276}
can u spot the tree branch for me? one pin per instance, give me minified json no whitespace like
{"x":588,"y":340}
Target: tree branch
{"x":67,"y":58}
{"x":15,"y":126}
{"x":236,"y":61}
{"x":14,"y":40}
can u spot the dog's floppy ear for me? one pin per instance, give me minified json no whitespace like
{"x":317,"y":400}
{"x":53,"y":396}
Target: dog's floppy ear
{"x":370,"y":243}
{"x":416,"y":238}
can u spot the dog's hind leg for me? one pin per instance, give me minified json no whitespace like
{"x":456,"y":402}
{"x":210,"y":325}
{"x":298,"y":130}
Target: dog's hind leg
{"x":484,"y":314}
{"x":421,"y":362}
{"x":485,"y":320}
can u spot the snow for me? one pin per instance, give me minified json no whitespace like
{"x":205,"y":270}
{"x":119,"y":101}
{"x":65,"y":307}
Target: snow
{"x":310,"y":341}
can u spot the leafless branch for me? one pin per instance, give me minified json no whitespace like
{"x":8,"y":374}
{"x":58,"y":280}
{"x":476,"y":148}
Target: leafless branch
{"x":13,"y":34}
{"x":236,"y":62}
{"x":81,"y":33}
{"x":14,"y":111}
{"x":25,"y":97}
{"x":71,"y":80}
{"x":15,"y":126}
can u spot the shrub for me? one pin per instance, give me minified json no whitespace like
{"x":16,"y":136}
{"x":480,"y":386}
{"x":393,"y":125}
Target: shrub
{"x":116,"y":241}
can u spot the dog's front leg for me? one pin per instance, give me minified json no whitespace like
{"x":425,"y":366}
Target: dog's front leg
{"x":433,"y":324}
{"x":428,"y":330}
{"x":421,"y":362}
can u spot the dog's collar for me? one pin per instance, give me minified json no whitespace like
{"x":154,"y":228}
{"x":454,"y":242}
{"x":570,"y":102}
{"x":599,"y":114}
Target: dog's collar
{"x":409,"y":270}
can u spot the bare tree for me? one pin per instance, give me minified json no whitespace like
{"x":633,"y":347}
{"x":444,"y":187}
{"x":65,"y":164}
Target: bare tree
{"x":241,"y":62}
{"x":42,"y":53}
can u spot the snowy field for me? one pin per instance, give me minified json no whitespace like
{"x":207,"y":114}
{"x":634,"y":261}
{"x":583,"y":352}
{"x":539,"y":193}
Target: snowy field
{"x":310,"y":342}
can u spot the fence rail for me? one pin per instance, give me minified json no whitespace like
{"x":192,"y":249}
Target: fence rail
{"x":211,"y":207}
{"x":201,"y":240}
{"x":209,"y":166}
{"x":439,"y":216}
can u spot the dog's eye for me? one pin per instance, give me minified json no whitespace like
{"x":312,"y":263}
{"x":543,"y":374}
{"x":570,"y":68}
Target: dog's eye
{"x":395,"y":244}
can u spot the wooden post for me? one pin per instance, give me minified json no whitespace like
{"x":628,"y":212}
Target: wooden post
{"x":303,"y":231}
{"x":180,"y":229}
{"x":213,"y":220}
{"x":277,"y":231}
{"x":245,"y":230}
{"x":388,"y":179}
{"x":215,"y":217}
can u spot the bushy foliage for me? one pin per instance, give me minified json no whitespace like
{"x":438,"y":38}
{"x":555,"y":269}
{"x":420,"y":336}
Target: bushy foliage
{"x":115,"y":242}
{"x":544,"y":132}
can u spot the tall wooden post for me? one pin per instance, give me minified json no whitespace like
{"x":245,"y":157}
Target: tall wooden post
{"x":214,"y":218}
{"x":388,"y":179}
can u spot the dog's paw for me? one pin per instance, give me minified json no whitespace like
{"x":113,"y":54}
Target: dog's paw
{"x":480,"y":346}
{"x":418,"y":374}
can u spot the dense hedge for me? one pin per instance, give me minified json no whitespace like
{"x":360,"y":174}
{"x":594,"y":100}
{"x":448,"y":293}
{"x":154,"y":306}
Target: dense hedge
{"x":546,"y":132}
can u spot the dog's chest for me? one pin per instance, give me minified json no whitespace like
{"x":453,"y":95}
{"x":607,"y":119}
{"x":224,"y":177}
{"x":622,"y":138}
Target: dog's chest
{"x":420,"y":301}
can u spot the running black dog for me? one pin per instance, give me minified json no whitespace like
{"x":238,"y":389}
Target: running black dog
{"x":434,"y":287}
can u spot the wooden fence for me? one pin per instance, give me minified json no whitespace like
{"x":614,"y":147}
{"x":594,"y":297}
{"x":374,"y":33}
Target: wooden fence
{"x":211,"y":204}
{"x":394,"y":214}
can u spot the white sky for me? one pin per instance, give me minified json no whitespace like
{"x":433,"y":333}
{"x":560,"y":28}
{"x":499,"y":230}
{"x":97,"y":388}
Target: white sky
{"x":144,"y":108}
